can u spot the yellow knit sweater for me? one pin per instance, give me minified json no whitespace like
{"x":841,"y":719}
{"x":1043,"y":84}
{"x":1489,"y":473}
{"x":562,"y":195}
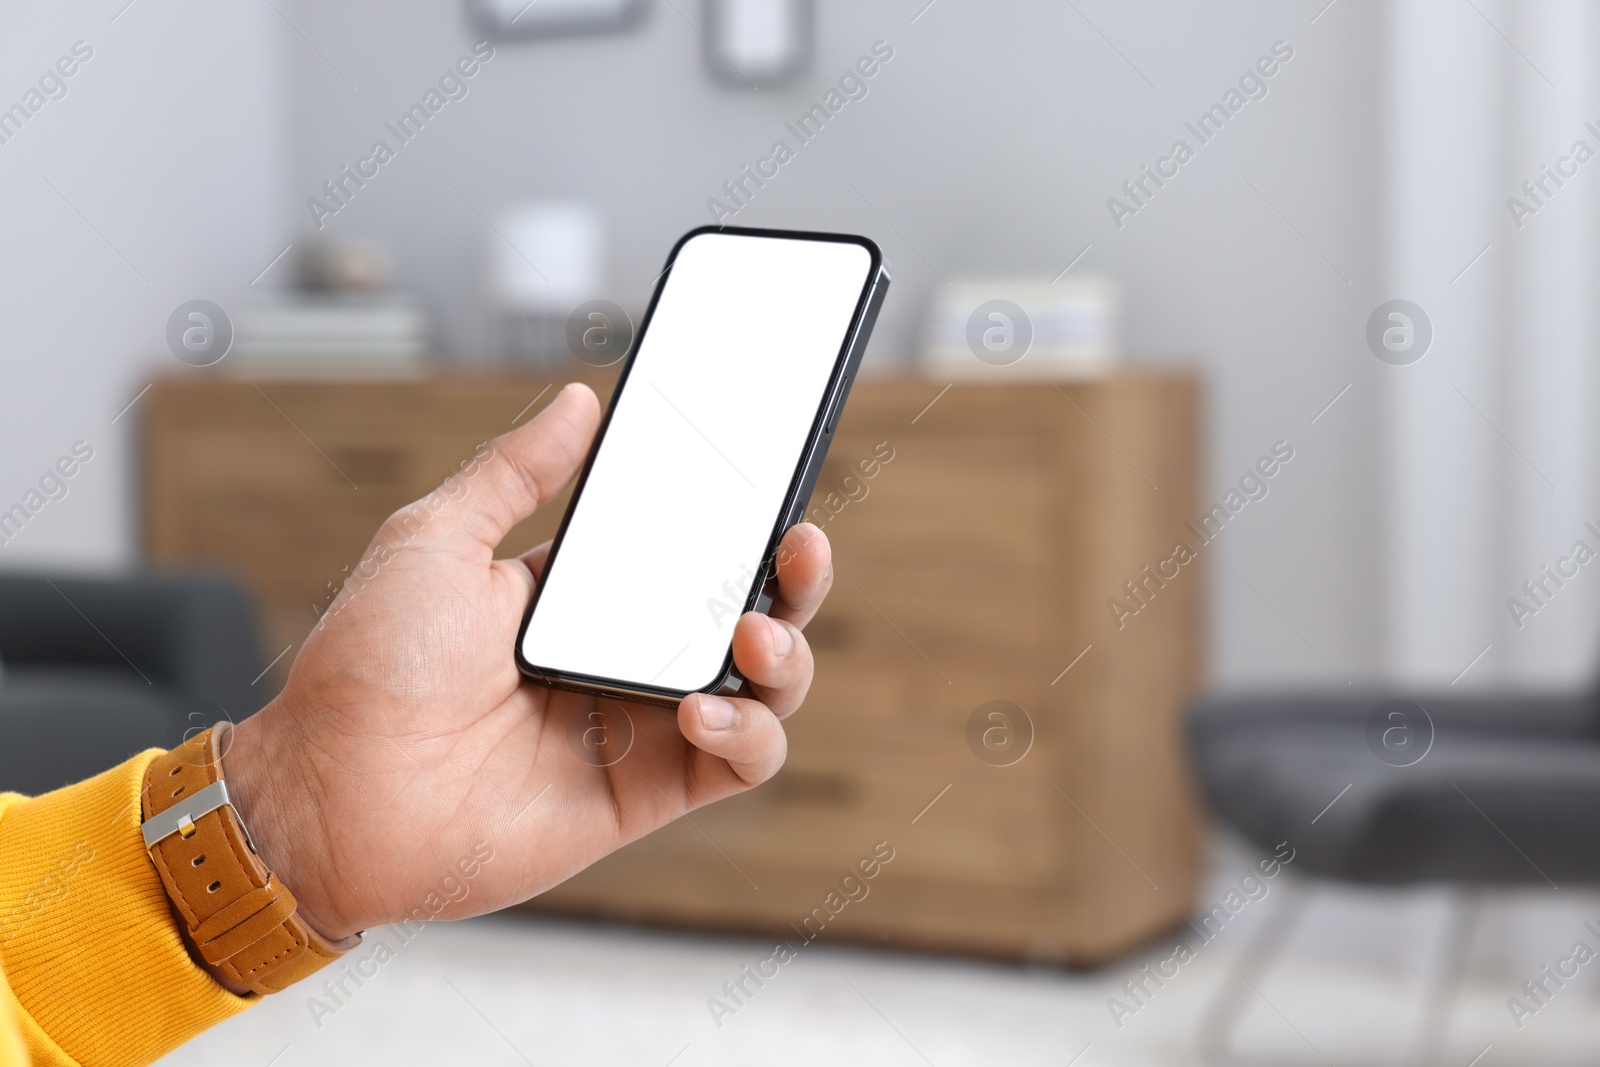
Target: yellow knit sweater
{"x":93,"y":968}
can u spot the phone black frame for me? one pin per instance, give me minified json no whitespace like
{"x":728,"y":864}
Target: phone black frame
{"x":801,"y":484}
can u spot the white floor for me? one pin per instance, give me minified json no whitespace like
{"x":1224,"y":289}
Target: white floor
{"x":1346,"y":990}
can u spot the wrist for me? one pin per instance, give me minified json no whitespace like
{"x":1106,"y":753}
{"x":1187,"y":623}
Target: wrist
{"x":279,"y":803}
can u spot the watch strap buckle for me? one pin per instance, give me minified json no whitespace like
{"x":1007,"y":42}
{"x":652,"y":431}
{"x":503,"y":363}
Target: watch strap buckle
{"x":180,"y":818}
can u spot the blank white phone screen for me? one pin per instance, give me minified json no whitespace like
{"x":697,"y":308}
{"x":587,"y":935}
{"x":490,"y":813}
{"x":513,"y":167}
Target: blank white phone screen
{"x":663,"y":545}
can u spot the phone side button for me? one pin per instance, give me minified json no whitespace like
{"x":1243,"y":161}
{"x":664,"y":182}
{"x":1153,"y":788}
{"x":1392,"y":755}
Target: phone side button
{"x":838,"y":407}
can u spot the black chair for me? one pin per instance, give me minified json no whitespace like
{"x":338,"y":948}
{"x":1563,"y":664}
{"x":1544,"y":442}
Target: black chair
{"x":93,"y":670}
{"x":1401,"y":789}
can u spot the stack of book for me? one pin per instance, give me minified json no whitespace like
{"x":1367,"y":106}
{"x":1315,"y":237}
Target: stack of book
{"x":1022,"y":329}
{"x":339,"y":336}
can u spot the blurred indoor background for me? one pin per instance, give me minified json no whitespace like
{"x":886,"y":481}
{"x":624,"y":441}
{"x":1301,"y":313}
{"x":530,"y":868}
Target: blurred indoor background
{"x":1303,"y":287}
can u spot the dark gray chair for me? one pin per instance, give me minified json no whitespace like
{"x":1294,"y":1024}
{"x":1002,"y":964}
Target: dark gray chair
{"x":1398,"y":789}
{"x":92,"y":670}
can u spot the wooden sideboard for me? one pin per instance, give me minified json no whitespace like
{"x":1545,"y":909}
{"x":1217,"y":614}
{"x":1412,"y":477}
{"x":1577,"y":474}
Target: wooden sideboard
{"x":978,"y":531}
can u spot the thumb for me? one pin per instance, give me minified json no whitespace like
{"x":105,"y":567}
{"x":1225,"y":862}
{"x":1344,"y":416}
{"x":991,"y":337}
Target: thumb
{"x":516,"y":473}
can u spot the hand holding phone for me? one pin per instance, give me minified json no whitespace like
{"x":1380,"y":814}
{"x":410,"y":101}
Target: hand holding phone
{"x":406,"y":748}
{"x":407,"y":770}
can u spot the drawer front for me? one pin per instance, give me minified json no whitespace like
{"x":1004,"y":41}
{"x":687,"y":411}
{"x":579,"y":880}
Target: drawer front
{"x":938,"y":551}
{"x":850,"y":777}
{"x":966,"y":515}
{"x":288,"y":493}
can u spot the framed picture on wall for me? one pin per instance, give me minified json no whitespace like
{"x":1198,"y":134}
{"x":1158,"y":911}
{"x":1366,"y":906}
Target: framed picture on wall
{"x":757,"y":44}
{"x":553,"y":18}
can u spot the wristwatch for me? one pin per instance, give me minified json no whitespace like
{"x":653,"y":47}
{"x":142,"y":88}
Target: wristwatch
{"x":237,"y":916}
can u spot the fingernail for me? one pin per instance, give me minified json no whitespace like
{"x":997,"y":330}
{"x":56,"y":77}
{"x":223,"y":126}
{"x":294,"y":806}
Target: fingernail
{"x":717,"y":714}
{"x":782,"y":639}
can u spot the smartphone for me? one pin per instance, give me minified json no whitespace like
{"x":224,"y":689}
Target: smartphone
{"x":707,"y":453}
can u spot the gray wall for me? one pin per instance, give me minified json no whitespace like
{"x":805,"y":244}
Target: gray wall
{"x":168,"y":159}
{"x":990,"y":143}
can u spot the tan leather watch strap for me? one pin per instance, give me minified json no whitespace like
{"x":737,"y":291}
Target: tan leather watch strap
{"x":238,"y":916}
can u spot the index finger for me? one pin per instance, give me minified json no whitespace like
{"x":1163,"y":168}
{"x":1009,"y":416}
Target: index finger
{"x":805,"y":573}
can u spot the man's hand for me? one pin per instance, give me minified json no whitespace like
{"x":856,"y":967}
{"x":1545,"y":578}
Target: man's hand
{"x":406,"y":739}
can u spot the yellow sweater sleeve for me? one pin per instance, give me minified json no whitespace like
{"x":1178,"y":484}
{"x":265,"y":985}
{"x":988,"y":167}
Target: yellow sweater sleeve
{"x":12,"y":1053}
{"x":95,"y":970}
